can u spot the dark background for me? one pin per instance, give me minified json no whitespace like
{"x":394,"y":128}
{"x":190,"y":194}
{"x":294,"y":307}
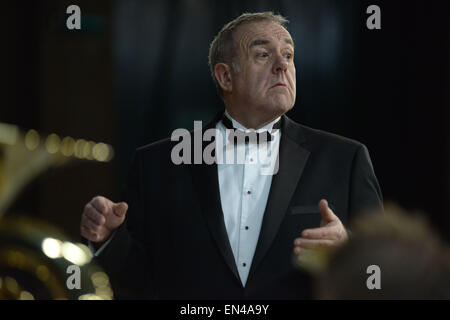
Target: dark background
{"x":138,"y":69}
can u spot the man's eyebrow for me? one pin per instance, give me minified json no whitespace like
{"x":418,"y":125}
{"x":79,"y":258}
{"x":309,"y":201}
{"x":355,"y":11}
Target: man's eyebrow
{"x":289,"y":41}
{"x":261,"y":42}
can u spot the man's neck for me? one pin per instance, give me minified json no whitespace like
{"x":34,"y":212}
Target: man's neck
{"x":251,"y":121}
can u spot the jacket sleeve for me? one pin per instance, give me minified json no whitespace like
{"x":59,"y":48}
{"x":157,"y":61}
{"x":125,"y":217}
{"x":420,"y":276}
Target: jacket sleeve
{"x":365,"y":193}
{"x":125,"y":259}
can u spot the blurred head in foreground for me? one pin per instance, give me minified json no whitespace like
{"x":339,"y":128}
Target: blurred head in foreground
{"x":389,"y":256}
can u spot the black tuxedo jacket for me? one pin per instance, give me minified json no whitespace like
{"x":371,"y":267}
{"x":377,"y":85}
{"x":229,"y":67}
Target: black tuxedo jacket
{"x":174,"y":244}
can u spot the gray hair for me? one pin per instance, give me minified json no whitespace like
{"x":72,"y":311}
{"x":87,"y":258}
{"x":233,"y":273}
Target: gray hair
{"x":222,"y":48}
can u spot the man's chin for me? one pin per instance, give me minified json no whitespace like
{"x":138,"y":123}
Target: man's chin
{"x":276,"y":110}
{"x":281,"y":106}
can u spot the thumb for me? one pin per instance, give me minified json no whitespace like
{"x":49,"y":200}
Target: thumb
{"x":326,"y":213}
{"x":120,"y":209}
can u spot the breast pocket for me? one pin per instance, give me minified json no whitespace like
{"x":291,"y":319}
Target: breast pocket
{"x":304,"y":210}
{"x":308,"y":209}
{"x":303,"y":217}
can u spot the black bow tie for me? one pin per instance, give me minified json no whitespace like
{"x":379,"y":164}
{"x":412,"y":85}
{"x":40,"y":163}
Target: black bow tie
{"x":240,"y":136}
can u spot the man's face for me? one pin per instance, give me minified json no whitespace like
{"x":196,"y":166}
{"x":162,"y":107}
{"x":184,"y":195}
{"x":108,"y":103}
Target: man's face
{"x":265,"y":79}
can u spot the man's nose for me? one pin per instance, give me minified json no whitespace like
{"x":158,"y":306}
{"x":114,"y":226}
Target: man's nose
{"x":281,"y":64}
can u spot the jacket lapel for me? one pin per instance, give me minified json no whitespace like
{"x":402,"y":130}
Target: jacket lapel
{"x":292,"y":160}
{"x":206,"y":182}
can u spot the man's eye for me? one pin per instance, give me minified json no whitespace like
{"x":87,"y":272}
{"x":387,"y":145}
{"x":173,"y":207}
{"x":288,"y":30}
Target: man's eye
{"x":288,"y":55}
{"x":263,"y":55}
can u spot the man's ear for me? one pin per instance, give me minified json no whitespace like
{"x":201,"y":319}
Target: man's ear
{"x":222,"y":72}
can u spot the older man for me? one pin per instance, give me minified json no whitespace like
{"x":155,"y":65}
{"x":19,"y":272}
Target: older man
{"x":227,"y":231}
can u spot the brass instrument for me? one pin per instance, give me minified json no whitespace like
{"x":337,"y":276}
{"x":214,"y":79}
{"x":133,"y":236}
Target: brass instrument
{"x":25,"y":154}
{"x":37,"y":261}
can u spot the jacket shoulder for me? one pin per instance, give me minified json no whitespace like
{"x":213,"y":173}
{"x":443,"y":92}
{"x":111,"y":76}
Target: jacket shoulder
{"x":315,"y":137}
{"x":161,"y":149}
{"x":324,"y":137}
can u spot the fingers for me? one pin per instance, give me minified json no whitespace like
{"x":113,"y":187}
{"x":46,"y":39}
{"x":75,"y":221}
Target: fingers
{"x":91,"y":225}
{"x":336,"y":232}
{"x":320,"y":233}
{"x":312,"y":243}
{"x":94,"y":215}
{"x":100,"y":217}
{"x":88,"y":234}
{"x":299,"y":250}
{"x":90,"y":229}
{"x":93,"y":219}
{"x":100,"y":204}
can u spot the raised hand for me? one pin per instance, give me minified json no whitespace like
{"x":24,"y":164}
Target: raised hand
{"x":100,"y":218}
{"x":331,"y":232}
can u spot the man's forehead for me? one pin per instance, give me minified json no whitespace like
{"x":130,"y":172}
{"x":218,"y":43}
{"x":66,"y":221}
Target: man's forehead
{"x":262,"y":31}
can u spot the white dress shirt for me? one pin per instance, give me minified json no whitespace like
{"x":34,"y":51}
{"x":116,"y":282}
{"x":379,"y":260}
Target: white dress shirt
{"x":244,"y":191}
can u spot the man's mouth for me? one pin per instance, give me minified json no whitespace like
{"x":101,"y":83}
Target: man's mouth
{"x":278,"y":84}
